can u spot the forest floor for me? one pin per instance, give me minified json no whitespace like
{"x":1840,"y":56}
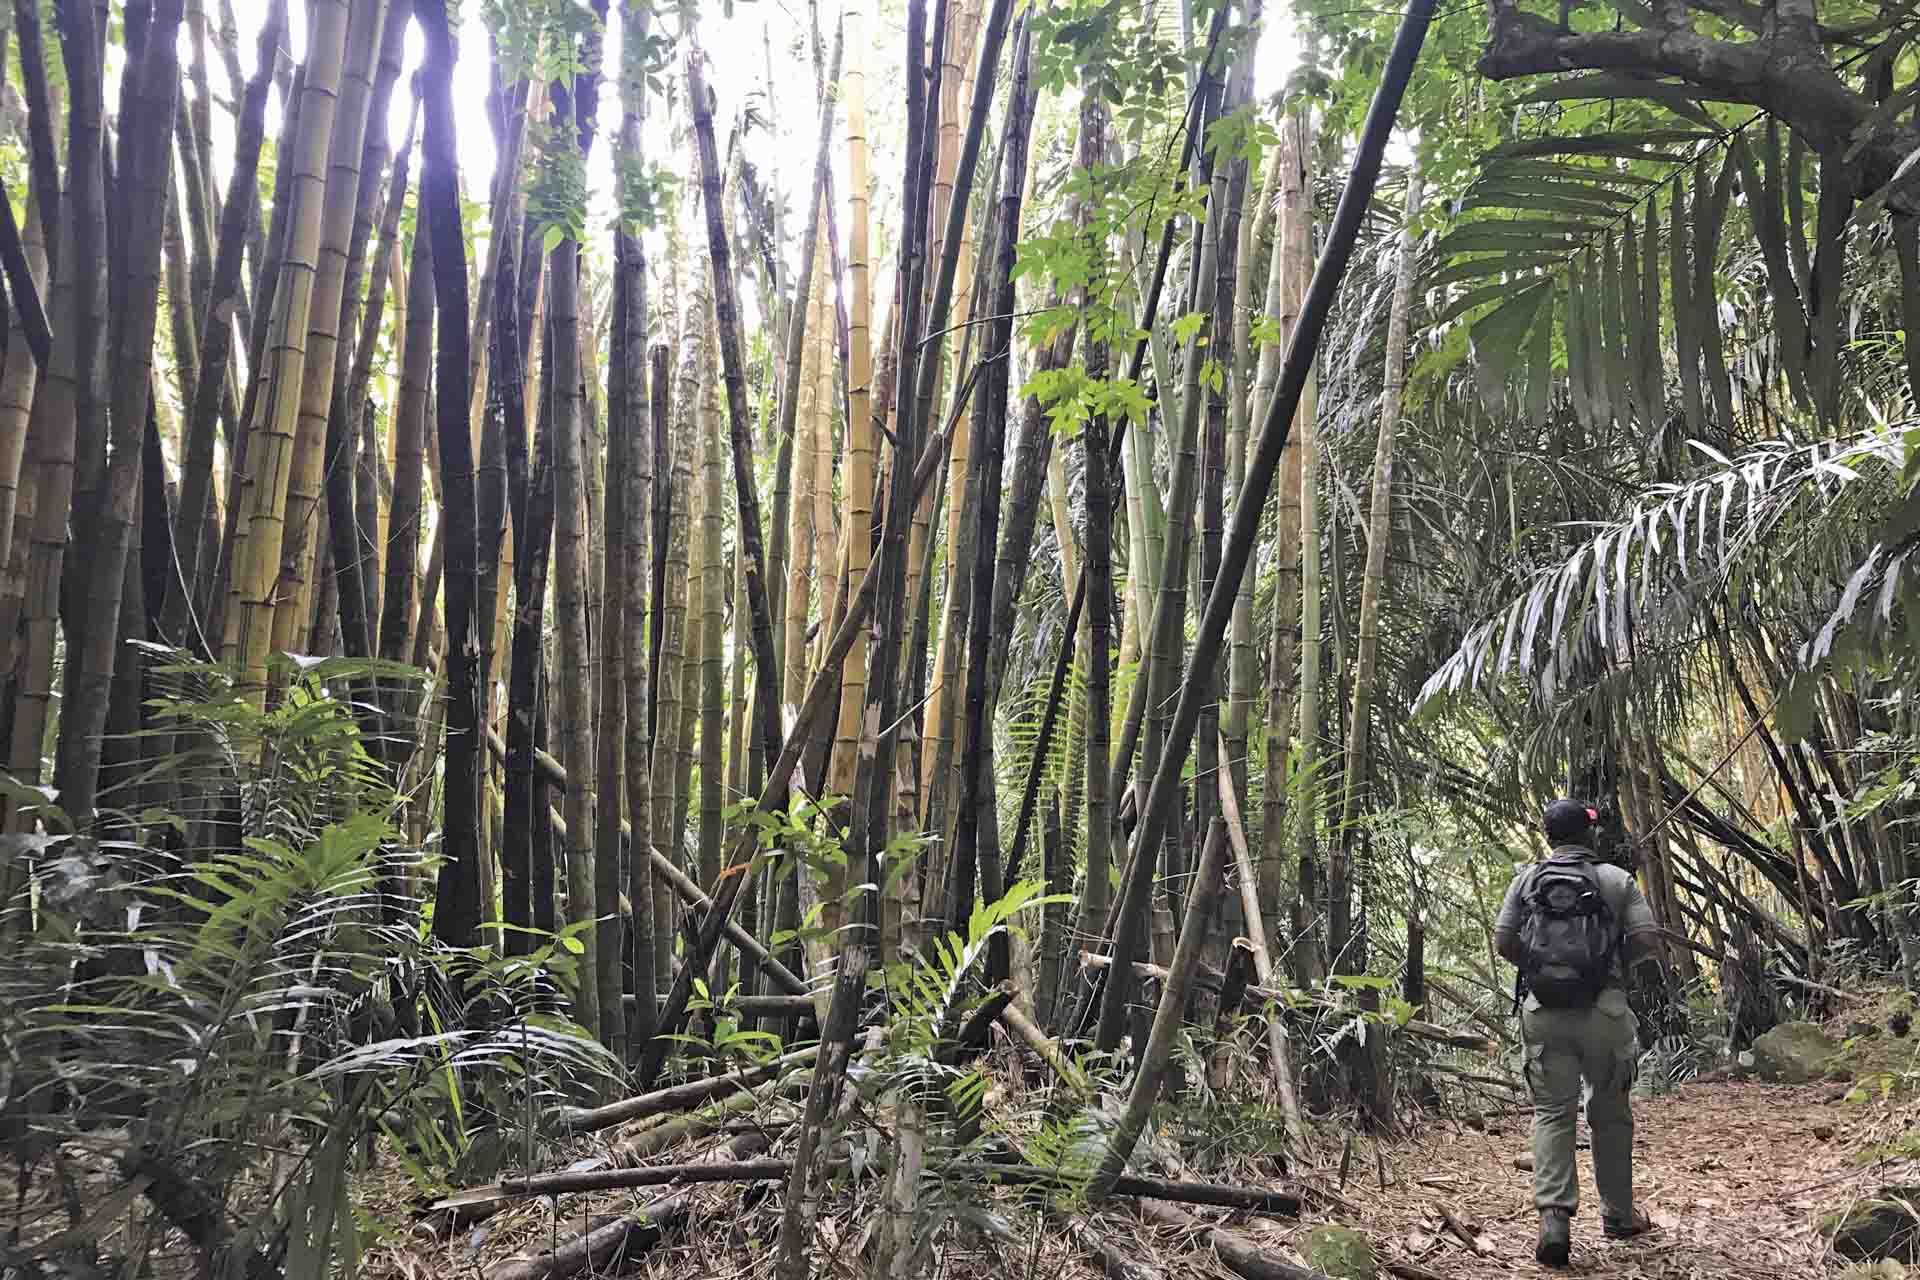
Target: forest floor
{"x":1736,"y":1175}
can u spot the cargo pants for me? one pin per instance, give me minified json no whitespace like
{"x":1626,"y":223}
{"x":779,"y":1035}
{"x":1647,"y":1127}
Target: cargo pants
{"x":1564,"y":1046}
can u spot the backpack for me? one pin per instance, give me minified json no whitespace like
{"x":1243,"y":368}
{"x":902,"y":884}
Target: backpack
{"x":1567,"y":936}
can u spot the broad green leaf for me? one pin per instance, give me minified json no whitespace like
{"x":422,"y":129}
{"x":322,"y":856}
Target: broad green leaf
{"x":1599,"y":385}
{"x":1599,"y":176}
{"x":1540,"y":364}
{"x":1686,"y":339}
{"x":1481,"y":268}
{"x":1708,"y":221}
{"x":1612,"y":337}
{"x":1498,"y":338}
{"x":1539,"y":202}
{"x":1653,"y":375}
{"x":1605,"y":85}
{"x":1640,"y":145}
{"x":1579,"y":363}
{"x":1518,"y":233}
{"x":1473,"y":298}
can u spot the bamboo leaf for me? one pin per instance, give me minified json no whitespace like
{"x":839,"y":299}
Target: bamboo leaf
{"x":1530,"y":181}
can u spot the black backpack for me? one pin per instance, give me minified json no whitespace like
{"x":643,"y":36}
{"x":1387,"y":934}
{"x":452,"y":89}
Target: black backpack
{"x":1567,"y":935}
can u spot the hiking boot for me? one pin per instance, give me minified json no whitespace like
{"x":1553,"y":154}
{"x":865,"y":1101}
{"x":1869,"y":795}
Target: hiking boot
{"x":1556,"y":1238}
{"x":1634,"y":1224}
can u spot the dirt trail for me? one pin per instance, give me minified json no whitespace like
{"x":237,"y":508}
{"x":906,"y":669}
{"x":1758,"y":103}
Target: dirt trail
{"x":1735,"y":1174}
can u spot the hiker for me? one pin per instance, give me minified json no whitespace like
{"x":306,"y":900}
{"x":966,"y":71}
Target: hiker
{"x":1573,"y":926}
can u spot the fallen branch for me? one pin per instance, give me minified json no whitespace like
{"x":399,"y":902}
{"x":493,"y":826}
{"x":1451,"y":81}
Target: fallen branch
{"x":681,"y":1096}
{"x":607,"y":1246}
{"x":1218,"y":1195}
{"x":1806,"y":985}
{"x":659,"y":1175}
{"x":698,"y":1124}
{"x":1115,"y":1262}
{"x":1242,"y":1256}
{"x":1462,"y":1231}
{"x":1028,"y":1032}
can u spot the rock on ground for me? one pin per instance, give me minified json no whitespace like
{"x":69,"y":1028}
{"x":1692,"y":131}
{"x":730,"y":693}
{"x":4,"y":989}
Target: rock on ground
{"x":1884,"y":1226}
{"x":1794,"y":1053}
{"x":1340,"y":1252}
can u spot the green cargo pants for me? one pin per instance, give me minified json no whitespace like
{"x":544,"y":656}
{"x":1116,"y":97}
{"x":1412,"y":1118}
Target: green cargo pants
{"x":1600,"y":1044}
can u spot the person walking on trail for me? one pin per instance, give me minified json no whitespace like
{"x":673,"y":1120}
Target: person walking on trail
{"x":1573,"y":926}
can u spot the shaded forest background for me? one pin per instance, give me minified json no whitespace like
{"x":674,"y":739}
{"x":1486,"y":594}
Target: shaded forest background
{"x":865,"y":527}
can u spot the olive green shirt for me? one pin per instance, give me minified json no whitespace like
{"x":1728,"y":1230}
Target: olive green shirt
{"x":1621,"y":892}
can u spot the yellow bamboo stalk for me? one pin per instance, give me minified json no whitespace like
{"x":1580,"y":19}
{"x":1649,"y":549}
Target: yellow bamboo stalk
{"x":800,"y":510}
{"x":826,"y":544}
{"x":301,"y":537}
{"x":251,"y":606}
{"x":857,"y":491}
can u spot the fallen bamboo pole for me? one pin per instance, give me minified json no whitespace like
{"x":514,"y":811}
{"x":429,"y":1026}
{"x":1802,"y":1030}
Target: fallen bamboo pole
{"x":682,"y":1096}
{"x":1217,"y":1195}
{"x":1241,"y":1255}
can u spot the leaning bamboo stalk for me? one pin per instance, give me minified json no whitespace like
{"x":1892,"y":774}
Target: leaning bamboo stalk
{"x":610,"y":663}
{"x":713,"y":584}
{"x":1167,"y":1020}
{"x":682,"y":1096}
{"x":343,"y":554}
{"x":675,"y":701}
{"x":799,"y":540}
{"x":457,"y":908}
{"x":1279,"y":1051}
{"x":409,"y":431}
{"x":695,"y":633}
